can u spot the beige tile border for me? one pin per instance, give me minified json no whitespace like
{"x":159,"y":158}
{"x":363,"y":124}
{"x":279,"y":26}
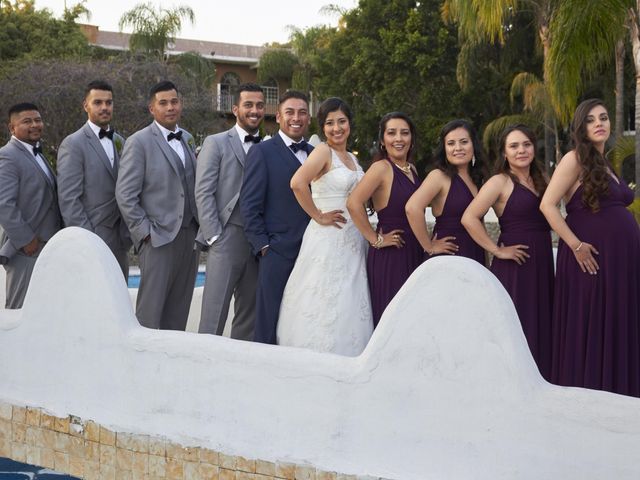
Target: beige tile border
{"x":93,"y":452}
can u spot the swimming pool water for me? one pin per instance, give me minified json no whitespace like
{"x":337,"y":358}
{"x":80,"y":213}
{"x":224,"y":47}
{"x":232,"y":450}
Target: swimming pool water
{"x":134,"y":280}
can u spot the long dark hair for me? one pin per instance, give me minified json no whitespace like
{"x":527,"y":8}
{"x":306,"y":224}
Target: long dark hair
{"x":477,"y":172}
{"x":594,"y":175}
{"x":535,"y":169}
{"x":333,"y":104}
{"x":382,"y":153}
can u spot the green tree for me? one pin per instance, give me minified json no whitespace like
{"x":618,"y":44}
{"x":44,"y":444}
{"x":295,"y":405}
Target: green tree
{"x":35,"y":34}
{"x":277,"y":62}
{"x":154,"y":27}
{"x":309,"y":46}
{"x":500,"y":81}
{"x":531,"y":90}
{"x":200,"y":69}
{"x":391,"y":55}
{"x":492,"y":21}
{"x":586,"y":35}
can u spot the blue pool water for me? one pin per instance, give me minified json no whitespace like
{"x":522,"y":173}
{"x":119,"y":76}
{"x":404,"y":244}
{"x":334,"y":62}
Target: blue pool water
{"x":12,"y":470}
{"x":134,"y":280}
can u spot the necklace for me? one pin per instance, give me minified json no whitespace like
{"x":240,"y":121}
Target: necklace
{"x":406,"y":169}
{"x":528,"y":184}
{"x":527,"y":181}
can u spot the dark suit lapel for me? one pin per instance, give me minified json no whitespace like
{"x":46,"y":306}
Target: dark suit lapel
{"x":236,"y":145}
{"x":95,"y":144}
{"x":165,"y":148}
{"x":286,"y":153}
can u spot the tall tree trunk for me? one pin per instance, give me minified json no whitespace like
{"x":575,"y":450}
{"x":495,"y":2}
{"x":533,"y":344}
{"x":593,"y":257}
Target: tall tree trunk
{"x":549,"y":132}
{"x":619,"y":91}
{"x":635,"y":44}
{"x":549,"y":142}
{"x":558,"y":152}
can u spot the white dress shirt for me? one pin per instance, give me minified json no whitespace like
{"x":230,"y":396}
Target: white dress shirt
{"x":301,"y":154}
{"x":39,"y":158}
{"x":241,"y":134}
{"x":106,"y":142}
{"x":175,"y":144}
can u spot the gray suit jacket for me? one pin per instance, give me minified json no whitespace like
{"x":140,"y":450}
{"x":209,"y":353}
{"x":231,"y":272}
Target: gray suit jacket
{"x":149,"y":188}
{"x":218,"y":181}
{"x":28,"y":201}
{"x":87,"y":184}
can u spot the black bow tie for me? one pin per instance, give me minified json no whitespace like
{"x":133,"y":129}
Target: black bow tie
{"x":37,"y":150}
{"x":301,"y":145}
{"x":177,"y":135}
{"x":252,"y":138}
{"x":105,"y":133}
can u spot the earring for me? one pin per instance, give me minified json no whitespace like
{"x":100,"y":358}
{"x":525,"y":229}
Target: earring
{"x":473,"y":161}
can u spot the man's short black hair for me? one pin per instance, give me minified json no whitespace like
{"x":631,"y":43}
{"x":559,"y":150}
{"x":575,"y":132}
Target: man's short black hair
{"x":292,"y":94}
{"x":97,"y":85}
{"x":245,"y":87}
{"x":22,"y":107}
{"x":163,"y":86}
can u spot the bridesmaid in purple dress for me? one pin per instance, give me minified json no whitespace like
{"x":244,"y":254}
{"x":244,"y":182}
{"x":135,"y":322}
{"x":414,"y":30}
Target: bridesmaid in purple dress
{"x":523,"y":258}
{"x":395,"y":253}
{"x":596,"y":312}
{"x":449,"y":188}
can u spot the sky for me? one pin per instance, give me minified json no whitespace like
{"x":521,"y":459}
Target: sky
{"x":249,"y":22}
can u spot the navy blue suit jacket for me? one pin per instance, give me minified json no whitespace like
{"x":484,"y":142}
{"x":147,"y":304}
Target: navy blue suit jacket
{"x":272,"y":215}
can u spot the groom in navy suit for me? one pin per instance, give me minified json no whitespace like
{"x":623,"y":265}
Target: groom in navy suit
{"x":274,"y":222}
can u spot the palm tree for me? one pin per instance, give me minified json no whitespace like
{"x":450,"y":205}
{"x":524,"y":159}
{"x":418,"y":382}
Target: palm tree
{"x":535,"y":105}
{"x":489,"y":20}
{"x":586,"y":33}
{"x":154,"y":28}
{"x":278,"y":63}
{"x":76,"y":11}
{"x":619,"y":93}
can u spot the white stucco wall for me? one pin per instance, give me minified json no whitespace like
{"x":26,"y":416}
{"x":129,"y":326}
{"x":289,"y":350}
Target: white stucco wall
{"x":446,"y":388}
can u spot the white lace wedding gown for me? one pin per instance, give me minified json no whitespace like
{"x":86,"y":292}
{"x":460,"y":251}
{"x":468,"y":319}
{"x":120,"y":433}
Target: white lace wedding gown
{"x":326,"y":305}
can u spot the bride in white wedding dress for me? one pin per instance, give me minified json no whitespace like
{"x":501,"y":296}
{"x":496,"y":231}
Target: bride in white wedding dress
{"x":326,"y":305}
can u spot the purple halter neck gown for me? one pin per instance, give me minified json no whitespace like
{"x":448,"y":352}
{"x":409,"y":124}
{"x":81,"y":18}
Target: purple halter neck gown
{"x":530,"y":285}
{"x":448,"y":223}
{"x":388,"y":268}
{"x":596,"y":318}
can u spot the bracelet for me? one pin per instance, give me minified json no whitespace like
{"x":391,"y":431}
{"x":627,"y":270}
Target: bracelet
{"x":577,"y":249}
{"x":378,"y":242}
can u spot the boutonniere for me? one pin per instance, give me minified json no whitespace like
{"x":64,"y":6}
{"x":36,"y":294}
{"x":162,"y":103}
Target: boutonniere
{"x":117,"y":141}
{"x":192,"y":144}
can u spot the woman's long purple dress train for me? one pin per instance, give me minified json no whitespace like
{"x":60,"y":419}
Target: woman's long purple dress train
{"x":388,"y":268}
{"x":596,"y":318}
{"x":529,"y":285}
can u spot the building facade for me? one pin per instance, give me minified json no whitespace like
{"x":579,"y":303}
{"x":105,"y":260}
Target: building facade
{"x":234,"y":64}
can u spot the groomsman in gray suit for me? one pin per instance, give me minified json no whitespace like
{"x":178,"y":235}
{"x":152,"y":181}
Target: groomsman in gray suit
{"x":155,"y":193}
{"x":29,"y":213}
{"x":232,"y":269}
{"x":87,"y":173}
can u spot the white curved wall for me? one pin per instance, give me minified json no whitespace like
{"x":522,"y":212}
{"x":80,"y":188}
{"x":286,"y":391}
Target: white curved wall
{"x":445,"y":389}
